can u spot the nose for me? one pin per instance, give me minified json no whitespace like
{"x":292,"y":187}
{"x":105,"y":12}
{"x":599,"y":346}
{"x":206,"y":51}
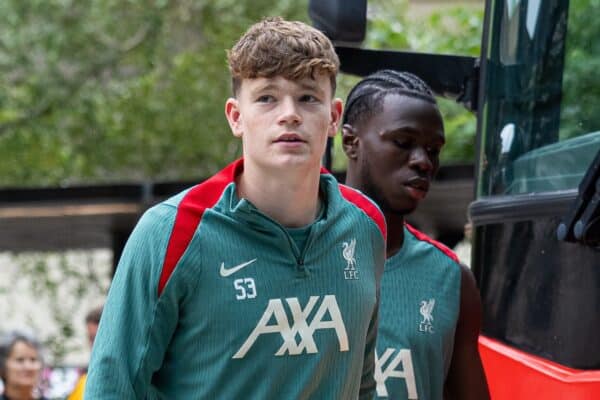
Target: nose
{"x":32,"y":365}
{"x":290,"y":114}
{"x":420,"y":160}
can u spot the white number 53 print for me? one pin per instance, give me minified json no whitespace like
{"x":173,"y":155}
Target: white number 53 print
{"x":244,"y":288}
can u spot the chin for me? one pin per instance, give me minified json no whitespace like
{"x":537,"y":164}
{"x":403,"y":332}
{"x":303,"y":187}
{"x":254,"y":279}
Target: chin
{"x":296,"y":160}
{"x":405,"y":203}
{"x":405,"y":208}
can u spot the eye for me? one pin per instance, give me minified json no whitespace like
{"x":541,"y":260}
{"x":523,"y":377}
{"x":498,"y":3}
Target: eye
{"x":404,"y":144}
{"x":265,"y":98}
{"x":308,"y":98}
{"x":433,"y":151}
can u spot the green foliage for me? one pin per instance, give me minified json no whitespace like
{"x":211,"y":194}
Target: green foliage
{"x":455,"y":30}
{"x":449,"y":30}
{"x":581,"y":90}
{"x":100,"y":91}
{"x":104,"y":91}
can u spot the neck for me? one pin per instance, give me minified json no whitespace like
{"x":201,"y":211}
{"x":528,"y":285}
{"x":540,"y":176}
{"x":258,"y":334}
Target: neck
{"x":395,"y":228}
{"x":292,"y":199}
{"x":393,"y":220}
{"x":18,"y":392}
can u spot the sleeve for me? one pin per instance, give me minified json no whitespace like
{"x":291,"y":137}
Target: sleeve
{"x":136,"y":324}
{"x":368,"y":384}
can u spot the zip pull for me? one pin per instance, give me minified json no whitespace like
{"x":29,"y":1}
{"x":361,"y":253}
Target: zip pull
{"x":302,"y":268}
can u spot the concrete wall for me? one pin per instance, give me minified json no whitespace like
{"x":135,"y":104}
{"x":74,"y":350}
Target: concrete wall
{"x":39,"y":289}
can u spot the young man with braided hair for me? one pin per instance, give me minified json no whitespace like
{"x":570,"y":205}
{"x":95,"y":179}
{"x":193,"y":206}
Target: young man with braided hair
{"x":430,"y":310}
{"x":261,"y":282}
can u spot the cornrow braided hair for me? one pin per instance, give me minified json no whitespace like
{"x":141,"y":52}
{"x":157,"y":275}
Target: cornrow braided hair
{"x":366,"y":98}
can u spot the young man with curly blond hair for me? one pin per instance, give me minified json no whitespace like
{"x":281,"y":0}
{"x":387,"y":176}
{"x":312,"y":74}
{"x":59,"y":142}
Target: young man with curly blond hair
{"x":263,"y":281}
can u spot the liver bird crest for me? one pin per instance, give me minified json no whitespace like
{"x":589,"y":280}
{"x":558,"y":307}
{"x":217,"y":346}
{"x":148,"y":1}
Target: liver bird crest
{"x":348,"y":254}
{"x":426,"y":310}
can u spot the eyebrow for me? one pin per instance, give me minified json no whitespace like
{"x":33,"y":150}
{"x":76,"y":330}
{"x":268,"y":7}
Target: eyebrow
{"x":411,"y":131}
{"x":304,"y":85}
{"x":268,"y":86}
{"x":310,"y":85}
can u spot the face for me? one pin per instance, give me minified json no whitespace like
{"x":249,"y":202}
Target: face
{"x":284,"y":123}
{"x":23,"y":366}
{"x":396,"y":152}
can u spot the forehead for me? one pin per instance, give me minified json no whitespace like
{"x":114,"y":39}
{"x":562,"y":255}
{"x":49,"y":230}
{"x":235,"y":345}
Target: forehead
{"x":402,"y":111}
{"x":20,"y":349}
{"x":320,"y":83}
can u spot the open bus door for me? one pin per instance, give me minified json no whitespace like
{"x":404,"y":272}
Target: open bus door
{"x":536,"y":249}
{"x":536,"y":255}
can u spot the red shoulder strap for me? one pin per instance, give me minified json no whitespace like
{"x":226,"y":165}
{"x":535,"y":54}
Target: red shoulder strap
{"x":362,"y":202}
{"x":423,"y":237}
{"x":189,"y":214}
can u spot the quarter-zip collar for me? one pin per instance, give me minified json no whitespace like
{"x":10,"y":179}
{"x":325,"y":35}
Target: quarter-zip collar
{"x":243,"y":211}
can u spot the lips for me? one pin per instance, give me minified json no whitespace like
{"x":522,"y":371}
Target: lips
{"x":417,"y":188}
{"x":418,"y":183}
{"x":289,"y":138}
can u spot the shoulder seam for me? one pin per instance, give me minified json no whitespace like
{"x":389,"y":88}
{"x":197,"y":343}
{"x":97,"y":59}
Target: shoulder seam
{"x":439,"y":246}
{"x":366,"y":205}
{"x":189,"y":215}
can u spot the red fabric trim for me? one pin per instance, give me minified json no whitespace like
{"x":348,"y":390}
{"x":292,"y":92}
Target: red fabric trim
{"x":362,"y":202}
{"x":423,"y":237}
{"x":189,"y":214}
{"x":533,"y":377}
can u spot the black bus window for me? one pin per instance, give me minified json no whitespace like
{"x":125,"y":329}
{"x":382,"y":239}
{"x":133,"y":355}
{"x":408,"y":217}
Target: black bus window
{"x":540,"y":130}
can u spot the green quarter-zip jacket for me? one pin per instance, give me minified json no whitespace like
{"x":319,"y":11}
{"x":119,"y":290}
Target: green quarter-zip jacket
{"x":212,"y":299}
{"x":418,"y":313}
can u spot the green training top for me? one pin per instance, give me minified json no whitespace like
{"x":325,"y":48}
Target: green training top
{"x":214,"y":300}
{"x":418,"y":312}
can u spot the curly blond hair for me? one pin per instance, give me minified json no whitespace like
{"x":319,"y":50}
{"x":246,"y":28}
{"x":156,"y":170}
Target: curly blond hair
{"x":276,"y":47}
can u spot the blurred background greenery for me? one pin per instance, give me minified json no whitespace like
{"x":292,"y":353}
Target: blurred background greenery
{"x":105,"y":91}
{"x":113,"y":91}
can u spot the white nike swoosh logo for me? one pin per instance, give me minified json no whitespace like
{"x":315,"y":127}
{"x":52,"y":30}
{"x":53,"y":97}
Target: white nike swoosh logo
{"x":225,"y":272}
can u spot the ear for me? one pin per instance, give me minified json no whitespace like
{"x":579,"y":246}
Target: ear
{"x":336,"y":115}
{"x":234,"y":117}
{"x":350,"y":141}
